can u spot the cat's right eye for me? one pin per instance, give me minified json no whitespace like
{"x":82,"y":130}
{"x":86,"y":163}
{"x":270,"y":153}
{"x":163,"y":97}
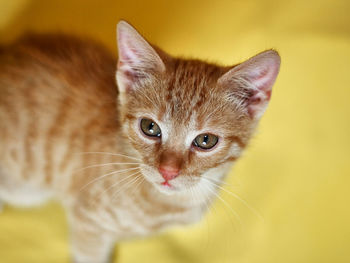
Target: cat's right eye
{"x":150,"y":128}
{"x":205,"y":141}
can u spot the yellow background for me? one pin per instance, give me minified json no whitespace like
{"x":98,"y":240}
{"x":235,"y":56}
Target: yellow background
{"x":296,"y":172}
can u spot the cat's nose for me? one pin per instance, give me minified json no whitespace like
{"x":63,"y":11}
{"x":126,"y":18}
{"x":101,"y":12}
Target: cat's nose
{"x":168,"y":172}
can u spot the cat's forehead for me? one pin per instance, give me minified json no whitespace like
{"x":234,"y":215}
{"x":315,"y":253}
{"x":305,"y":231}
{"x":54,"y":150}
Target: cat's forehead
{"x":192,"y":76}
{"x":187,"y":98}
{"x":190,"y":88}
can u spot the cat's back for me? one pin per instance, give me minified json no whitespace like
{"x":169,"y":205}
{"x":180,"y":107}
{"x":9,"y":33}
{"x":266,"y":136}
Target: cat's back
{"x":45,"y":75}
{"x":72,"y":63}
{"x":57,"y":96}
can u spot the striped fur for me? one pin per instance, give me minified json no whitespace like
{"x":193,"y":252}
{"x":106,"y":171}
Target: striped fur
{"x":65,"y":133}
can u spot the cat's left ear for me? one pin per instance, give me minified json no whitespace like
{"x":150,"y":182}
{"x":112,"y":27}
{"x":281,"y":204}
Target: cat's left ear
{"x":252,"y":81}
{"x":137,"y":59}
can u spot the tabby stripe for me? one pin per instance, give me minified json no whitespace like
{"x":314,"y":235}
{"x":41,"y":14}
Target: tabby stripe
{"x":67,"y":158}
{"x":57,"y":127}
{"x":31,"y":134}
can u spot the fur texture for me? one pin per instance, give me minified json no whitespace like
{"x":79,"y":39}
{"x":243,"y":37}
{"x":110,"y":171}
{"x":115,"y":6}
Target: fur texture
{"x":66,"y":132}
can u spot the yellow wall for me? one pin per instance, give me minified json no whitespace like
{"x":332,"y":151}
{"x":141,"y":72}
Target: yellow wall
{"x":296,"y":173}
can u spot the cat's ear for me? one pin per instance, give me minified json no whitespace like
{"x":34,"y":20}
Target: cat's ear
{"x":137,"y":59}
{"x":251,"y":81}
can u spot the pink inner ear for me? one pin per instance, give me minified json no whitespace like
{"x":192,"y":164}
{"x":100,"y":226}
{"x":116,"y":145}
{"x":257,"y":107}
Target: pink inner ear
{"x":254,"y":79}
{"x":129,"y":46}
{"x":137,"y":58}
{"x":128,"y":52}
{"x":262,"y":78}
{"x":128,"y":61}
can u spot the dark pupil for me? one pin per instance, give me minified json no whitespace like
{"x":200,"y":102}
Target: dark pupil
{"x":150,"y":127}
{"x":205,"y":139}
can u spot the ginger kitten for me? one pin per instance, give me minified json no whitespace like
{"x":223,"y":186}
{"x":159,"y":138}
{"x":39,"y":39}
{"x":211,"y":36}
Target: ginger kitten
{"x":124,"y":160}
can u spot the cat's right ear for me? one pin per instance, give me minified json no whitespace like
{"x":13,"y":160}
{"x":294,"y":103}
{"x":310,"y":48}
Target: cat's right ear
{"x":137,"y":59}
{"x":250,"y":83}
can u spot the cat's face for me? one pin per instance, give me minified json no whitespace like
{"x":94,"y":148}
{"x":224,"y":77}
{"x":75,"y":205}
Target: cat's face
{"x":188,"y":119}
{"x":181,"y":122}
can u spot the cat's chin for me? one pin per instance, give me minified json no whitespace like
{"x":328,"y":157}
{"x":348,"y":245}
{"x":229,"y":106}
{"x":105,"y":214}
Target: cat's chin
{"x":178,"y":186}
{"x":166,"y":188}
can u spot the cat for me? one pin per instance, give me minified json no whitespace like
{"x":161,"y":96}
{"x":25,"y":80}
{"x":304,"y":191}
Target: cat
{"x":127,"y":159}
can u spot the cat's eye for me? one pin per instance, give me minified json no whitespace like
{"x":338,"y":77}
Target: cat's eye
{"x":150,"y":128}
{"x":205,"y":141}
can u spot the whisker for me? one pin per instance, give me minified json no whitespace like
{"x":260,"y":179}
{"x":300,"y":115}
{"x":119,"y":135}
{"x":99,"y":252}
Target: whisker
{"x":113,"y":154}
{"x":118,"y":182}
{"x":217,"y":181}
{"x":126,"y":185}
{"x":105,"y":164}
{"x":232,"y":223}
{"x":138,"y":185}
{"x":256,"y":213}
{"x":102,"y":176}
{"x":213,"y":208}
{"x":226,"y":204}
{"x":194,"y":192}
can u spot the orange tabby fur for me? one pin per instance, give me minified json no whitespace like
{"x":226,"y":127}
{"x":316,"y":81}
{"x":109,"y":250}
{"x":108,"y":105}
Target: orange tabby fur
{"x":64,"y":134}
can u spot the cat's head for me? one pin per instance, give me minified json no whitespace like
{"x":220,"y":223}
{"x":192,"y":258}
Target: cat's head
{"x":188,"y":119}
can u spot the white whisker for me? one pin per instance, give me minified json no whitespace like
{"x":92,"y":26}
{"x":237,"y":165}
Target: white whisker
{"x":126,"y":185}
{"x":102,"y":176}
{"x":226,"y":204}
{"x":195,"y":192}
{"x":238,"y":198}
{"x":137,"y":186}
{"x":118,"y":182}
{"x":217,"y":181}
{"x":104,"y":164}
{"x":113,"y":154}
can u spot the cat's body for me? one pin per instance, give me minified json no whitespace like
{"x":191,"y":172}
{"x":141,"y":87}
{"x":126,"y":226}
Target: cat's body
{"x":51,"y":127}
{"x":64,"y":134}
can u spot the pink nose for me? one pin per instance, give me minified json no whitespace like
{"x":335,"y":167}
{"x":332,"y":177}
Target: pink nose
{"x":168,"y":173}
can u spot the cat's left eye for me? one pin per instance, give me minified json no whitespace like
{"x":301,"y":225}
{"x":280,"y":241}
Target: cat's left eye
{"x":150,"y":128}
{"x":205,"y":141}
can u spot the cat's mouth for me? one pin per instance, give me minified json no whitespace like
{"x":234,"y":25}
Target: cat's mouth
{"x":166,"y":184}
{"x":169,"y":186}
{"x":180,"y":184}
{"x":162,"y":185}
{"x":166,"y":187}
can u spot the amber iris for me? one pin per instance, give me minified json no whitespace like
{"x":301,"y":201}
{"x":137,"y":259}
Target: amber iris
{"x":150,"y":128}
{"x":205,"y":141}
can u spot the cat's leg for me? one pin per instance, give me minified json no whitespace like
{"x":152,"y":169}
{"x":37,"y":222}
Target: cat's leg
{"x":1,"y":202}
{"x":91,"y":247}
{"x":89,"y":242}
